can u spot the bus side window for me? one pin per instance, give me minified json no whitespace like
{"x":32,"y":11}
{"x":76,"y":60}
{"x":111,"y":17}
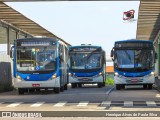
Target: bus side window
{"x":61,"y":53}
{"x":66,"y":55}
{"x":104,"y":58}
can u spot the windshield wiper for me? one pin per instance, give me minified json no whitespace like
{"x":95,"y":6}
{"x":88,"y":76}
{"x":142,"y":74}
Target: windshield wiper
{"x":90,"y":54}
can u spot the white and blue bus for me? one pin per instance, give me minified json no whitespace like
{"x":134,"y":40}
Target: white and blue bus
{"x":40,"y":63}
{"x":87,"y":65}
{"x":133,"y":63}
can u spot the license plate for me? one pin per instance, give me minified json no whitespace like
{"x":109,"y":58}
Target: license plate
{"x":134,"y":80}
{"x":85,"y":79}
{"x":35,"y":85}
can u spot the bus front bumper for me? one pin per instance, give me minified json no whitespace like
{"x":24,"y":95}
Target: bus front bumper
{"x":36,"y":84}
{"x":86,"y":80}
{"x":148,"y":79}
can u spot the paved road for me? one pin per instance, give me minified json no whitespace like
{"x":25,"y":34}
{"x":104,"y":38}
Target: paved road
{"x":134,"y":93}
{"x":87,"y":93}
{"x":88,"y":98}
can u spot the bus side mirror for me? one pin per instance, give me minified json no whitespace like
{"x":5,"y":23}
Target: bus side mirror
{"x":112,"y":54}
{"x":11,"y":52}
{"x":156,"y":56}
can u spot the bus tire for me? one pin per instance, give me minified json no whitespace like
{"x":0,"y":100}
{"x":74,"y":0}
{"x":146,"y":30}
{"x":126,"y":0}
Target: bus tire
{"x":123,"y":86}
{"x":99,"y":85}
{"x":31,"y":90}
{"x":104,"y":79}
{"x":73,"y":85}
{"x":62,"y":88}
{"x":37,"y":90}
{"x":79,"y":85}
{"x":57,"y":90}
{"x":103,"y":84}
{"x":144,"y":86}
{"x":65,"y":87}
{"x":20,"y":91}
{"x":118,"y":87}
{"x":149,"y":86}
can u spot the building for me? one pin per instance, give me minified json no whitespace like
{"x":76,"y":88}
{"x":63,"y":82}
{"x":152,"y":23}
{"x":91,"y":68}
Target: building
{"x":148,"y":28}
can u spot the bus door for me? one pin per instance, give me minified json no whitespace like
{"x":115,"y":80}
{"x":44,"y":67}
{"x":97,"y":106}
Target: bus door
{"x":62,"y":64}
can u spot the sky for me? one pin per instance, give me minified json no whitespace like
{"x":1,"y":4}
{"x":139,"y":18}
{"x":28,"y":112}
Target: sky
{"x":83,"y":22}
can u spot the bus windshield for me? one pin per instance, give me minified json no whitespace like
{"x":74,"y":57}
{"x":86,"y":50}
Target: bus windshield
{"x":40,"y":58}
{"x":85,"y":61}
{"x":134,"y":60}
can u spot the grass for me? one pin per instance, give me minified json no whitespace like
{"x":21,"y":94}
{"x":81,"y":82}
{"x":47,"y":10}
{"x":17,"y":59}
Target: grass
{"x":109,"y":81}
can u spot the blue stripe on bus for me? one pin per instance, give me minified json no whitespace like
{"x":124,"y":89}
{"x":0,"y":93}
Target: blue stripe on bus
{"x":136,"y":74}
{"x":35,"y":77}
{"x":85,"y":74}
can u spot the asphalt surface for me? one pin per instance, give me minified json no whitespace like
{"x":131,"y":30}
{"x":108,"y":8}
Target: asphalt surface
{"x":89,"y":93}
{"x":88,"y":98}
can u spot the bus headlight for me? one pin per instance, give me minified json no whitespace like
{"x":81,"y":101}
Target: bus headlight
{"x":152,"y":73}
{"x":54,"y":76}
{"x":72,"y":75}
{"x":19,"y":77}
{"x":116,"y":74}
{"x":100,"y":73}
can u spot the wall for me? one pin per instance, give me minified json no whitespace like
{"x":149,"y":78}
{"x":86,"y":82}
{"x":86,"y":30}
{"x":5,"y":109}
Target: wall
{"x":157,"y":63}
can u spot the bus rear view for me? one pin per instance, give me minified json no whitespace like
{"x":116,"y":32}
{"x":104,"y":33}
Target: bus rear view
{"x":133,"y":63}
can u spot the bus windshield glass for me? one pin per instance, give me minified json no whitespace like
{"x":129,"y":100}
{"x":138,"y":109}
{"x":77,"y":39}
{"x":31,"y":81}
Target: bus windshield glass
{"x":85,"y":61}
{"x":134,"y":60}
{"x":36,"y":58}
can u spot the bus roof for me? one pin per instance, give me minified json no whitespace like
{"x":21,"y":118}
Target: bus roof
{"x":83,"y":46}
{"x":24,"y":39}
{"x":134,"y":40}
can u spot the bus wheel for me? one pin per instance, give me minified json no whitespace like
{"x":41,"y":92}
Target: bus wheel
{"x":38,"y":90}
{"x":20,"y":91}
{"x":118,"y":87}
{"x":31,"y":90}
{"x":57,"y":90}
{"x":74,"y":85}
{"x":99,"y":85}
{"x":103,"y":84}
{"x":65,"y":87}
{"x":79,"y":85}
{"x":62,"y":88}
{"x":149,"y":86}
{"x":123,"y":86}
{"x":145,"y":86}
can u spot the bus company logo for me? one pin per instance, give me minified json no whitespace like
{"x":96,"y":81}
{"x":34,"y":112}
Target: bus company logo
{"x":128,"y":16}
{"x":6,"y":114}
{"x":21,"y":115}
{"x":28,"y":77}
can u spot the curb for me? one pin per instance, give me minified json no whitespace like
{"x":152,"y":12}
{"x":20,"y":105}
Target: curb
{"x":156,"y":87}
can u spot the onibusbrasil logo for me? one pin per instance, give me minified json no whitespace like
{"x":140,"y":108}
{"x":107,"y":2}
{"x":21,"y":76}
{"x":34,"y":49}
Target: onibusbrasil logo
{"x":128,"y":16}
